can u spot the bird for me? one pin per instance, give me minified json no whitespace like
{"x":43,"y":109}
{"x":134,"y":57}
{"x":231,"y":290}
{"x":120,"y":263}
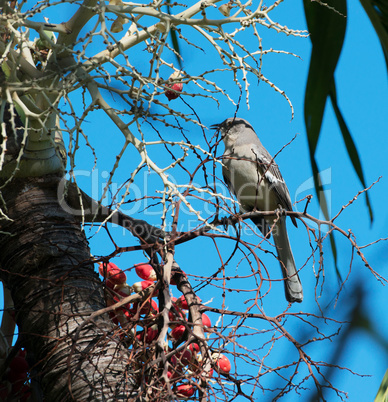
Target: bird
{"x":252,"y":175}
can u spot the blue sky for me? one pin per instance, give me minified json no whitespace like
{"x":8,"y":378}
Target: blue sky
{"x":361,"y":85}
{"x":361,"y":88}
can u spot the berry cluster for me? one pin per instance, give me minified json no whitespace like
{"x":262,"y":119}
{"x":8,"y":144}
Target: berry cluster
{"x":184,"y":363}
{"x":14,"y":384}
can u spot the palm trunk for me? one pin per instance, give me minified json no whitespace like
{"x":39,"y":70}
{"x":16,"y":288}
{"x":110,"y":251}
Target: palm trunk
{"x":45,"y":262}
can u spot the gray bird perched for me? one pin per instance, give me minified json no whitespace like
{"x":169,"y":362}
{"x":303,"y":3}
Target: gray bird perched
{"x":252,"y":175}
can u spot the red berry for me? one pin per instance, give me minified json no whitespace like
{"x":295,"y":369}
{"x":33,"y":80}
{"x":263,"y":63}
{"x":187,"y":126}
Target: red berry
{"x":185,"y":357}
{"x":5,"y":389}
{"x":171,"y":316}
{"x":25,"y":393}
{"x":175,"y":91}
{"x":110,"y":285}
{"x":120,"y":292}
{"x":139,"y":286}
{"x":113,"y":273}
{"x":150,"y":307}
{"x":175,"y":315}
{"x":185,"y":390}
{"x":17,"y":380}
{"x":170,"y":375}
{"x":123,"y":290}
{"x":173,"y":361}
{"x":152,"y":333}
{"x":19,"y":365}
{"x":22,"y":353}
{"x":206,"y":321}
{"x":175,"y":88}
{"x":182,"y":303}
{"x":194,"y":347}
{"x":16,"y":377}
{"x":145,"y":271}
{"x":174,"y":371}
{"x":127,"y":314}
{"x":178,"y":331}
{"x":223,"y":363}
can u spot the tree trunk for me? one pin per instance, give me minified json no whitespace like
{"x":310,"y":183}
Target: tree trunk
{"x":45,"y":262}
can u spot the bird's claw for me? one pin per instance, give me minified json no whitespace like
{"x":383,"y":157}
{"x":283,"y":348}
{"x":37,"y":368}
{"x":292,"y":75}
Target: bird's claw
{"x":224,"y":222}
{"x":280,"y":211}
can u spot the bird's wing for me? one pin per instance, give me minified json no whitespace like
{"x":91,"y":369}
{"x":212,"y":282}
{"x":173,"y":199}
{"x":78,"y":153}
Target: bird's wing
{"x":226,"y":174}
{"x":260,"y":222}
{"x":275,"y":179}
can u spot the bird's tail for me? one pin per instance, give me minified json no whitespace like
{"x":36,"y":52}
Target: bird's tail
{"x":292,"y":285}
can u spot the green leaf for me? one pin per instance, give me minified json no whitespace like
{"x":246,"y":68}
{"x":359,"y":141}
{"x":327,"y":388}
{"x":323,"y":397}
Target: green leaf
{"x":350,"y":145}
{"x":327,"y":31}
{"x":377,"y":11}
{"x":382,"y":394}
{"x":323,"y":204}
{"x":175,"y":45}
{"x":174,"y":39}
{"x":327,"y":26}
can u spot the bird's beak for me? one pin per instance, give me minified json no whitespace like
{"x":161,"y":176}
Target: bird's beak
{"x":215,"y":126}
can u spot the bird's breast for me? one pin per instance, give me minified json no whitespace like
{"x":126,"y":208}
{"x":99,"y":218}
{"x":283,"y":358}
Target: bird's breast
{"x":250,"y":186}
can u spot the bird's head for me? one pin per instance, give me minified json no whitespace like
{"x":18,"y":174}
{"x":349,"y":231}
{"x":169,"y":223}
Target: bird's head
{"x":232,"y":129}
